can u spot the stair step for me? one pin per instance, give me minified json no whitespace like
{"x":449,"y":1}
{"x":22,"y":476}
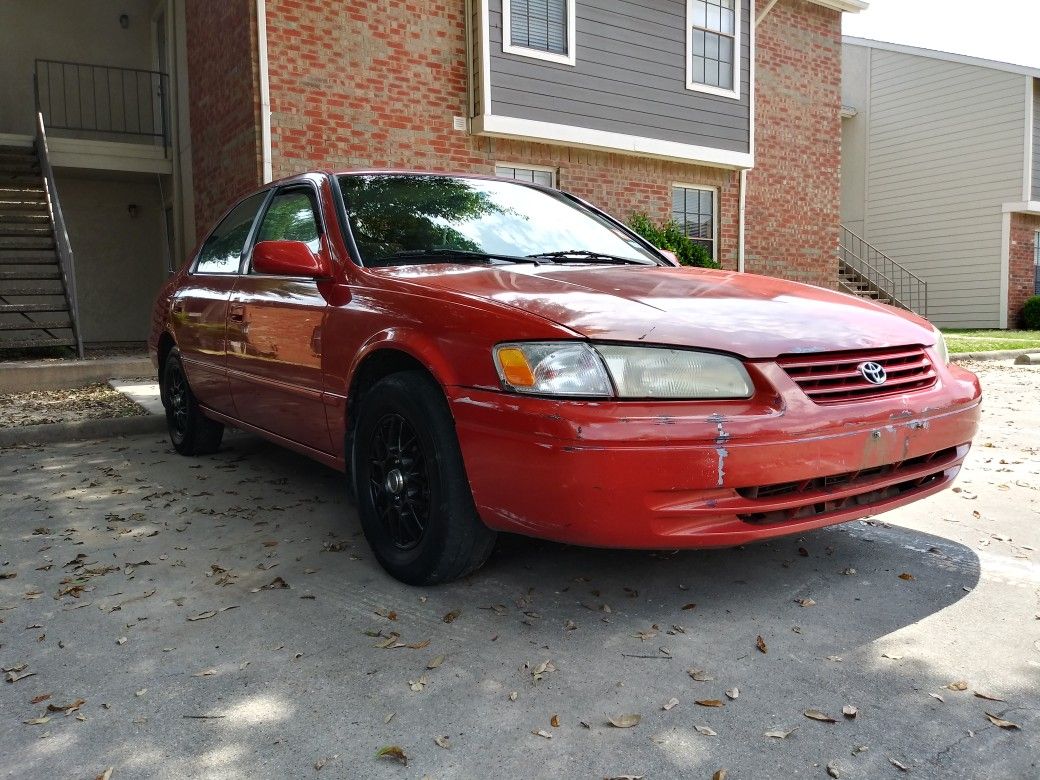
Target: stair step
{"x":11,"y":289}
{"x":24,"y":216}
{"x":9,"y":193}
{"x":16,"y":308}
{"x":27,"y":165}
{"x":17,"y":177}
{"x":42,"y":341}
{"x":26,"y":242}
{"x":28,"y":229}
{"x":28,"y":257}
{"x":51,"y":322}
{"x":30,"y":273}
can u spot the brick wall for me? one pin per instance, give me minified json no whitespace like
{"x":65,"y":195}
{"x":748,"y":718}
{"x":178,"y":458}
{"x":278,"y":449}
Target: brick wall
{"x":1022,"y":269}
{"x":376,"y":83}
{"x":223,"y":97}
{"x":793,"y":200}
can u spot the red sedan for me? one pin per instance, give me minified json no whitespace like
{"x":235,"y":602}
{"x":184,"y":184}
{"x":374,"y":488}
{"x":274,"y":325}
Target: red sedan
{"x":483,"y":355}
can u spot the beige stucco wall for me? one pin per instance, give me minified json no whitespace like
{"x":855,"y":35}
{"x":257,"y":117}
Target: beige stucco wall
{"x":68,"y":30}
{"x":855,"y":94}
{"x":119,"y":259}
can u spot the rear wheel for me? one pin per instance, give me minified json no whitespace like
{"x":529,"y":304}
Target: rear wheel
{"x":191,"y":432}
{"x":413,"y":497}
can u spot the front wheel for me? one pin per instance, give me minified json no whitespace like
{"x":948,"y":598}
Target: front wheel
{"x":413,"y":497}
{"x":191,"y":432}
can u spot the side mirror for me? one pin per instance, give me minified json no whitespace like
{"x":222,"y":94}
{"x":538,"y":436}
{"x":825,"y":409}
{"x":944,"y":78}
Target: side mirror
{"x":668,"y":253}
{"x":288,"y":258}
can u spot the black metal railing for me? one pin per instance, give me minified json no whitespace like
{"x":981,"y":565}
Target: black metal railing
{"x":101,"y":100}
{"x":883,"y":274}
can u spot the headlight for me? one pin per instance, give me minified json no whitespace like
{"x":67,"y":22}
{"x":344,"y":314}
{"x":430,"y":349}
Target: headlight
{"x":940,"y":346}
{"x":606,"y":370}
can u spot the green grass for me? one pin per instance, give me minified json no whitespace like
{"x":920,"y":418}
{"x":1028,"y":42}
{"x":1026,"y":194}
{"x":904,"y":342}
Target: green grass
{"x":990,"y":340}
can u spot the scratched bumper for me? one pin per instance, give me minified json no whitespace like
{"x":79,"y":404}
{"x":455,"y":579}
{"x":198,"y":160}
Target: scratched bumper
{"x":682,"y":474}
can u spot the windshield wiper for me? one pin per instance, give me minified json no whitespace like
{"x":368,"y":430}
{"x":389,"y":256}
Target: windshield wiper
{"x":585,"y":256}
{"x":450,"y":255}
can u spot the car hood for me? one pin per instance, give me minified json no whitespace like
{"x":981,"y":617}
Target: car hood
{"x":749,"y":315}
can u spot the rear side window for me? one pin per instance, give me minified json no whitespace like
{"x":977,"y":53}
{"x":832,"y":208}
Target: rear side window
{"x":222,"y":251}
{"x":291,"y":217}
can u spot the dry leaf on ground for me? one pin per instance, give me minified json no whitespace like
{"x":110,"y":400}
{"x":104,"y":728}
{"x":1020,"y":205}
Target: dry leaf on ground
{"x":805,"y":602}
{"x":711,"y":702}
{"x":451,"y":616}
{"x":721,"y":774}
{"x":1000,"y":722}
{"x":392,"y":752}
{"x":823,"y":717}
{"x":435,"y":662}
{"x":670,"y":703}
{"x":699,"y":675}
{"x":706,"y":731}
{"x":988,"y":697}
{"x":780,"y":733}
{"x":760,"y":643}
{"x":960,"y":685}
{"x":898,"y":764}
{"x":733,"y":693}
{"x":554,"y":721}
{"x":849,"y":711}
{"x":906,"y":576}
{"x":625,"y":721}
{"x":542,"y":733}
{"x":442,"y":742}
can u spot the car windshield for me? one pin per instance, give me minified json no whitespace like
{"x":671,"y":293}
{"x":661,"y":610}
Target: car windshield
{"x":401,"y":219}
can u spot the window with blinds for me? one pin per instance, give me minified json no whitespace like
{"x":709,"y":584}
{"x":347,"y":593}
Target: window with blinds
{"x":694,"y":209}
{"x":539,"y":28}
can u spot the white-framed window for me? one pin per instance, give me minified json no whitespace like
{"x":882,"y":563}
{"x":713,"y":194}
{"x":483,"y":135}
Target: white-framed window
{"x":694,"y":208}
{"x":543,"y":29}
{"x":713,"y":47}
{"x":534,"y":174}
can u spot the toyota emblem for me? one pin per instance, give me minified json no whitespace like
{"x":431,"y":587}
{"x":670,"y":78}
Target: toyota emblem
{"x":873,"y":373}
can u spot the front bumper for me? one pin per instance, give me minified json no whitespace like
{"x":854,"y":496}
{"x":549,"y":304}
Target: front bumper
{"x":707,"y":474}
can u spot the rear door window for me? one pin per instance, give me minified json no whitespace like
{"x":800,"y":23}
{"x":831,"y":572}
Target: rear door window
{"x":222,"y":251}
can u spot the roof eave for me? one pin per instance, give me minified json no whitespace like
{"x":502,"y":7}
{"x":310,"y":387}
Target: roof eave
{"x":848,"y":6}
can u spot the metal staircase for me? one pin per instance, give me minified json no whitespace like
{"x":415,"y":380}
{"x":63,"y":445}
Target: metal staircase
{"x":865,"y":271}
{"x":37,"y":294}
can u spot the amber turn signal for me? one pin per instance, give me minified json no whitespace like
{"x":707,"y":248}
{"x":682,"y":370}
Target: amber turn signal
{"x":515,"y":368}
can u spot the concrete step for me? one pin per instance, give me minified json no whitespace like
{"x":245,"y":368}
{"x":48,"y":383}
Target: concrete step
{"x":27,"y":257}
{"x":32,"y":229}
{"x":48,"y":322}
{"x":20,"y":194}
{"x":26,"y":242}
{"x":30,"y":273}
{"x":30,"y":216}
{"x":18,"y":308}
{"x":39,"y":341}
{"x":29,"y":287}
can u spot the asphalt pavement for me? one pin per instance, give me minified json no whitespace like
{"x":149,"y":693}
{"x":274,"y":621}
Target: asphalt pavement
{"x":222,"y":617}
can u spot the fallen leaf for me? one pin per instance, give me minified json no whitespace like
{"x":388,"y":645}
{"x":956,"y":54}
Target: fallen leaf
{"x":710,"y":703}
{"x":513,"y":695}
{"x":205,"y":673}
{"x":960,"y":685}
{"x":121,"y":640}
{"x":849,"y":571}
{"x":321,"y":762}
{"x":8,"y":575}
{"x":442,"y":742}
{"x":906,"y":576}
{"x":720,"y":775}
{"x":823,"y":717}
{"x":898,"y":765}
{"x":891,"y":656}
{"x":699,"y":675}
{"x":780,"y":734}
{"x":203,"y":615}
{"x":419,"y":645}
{"x":141,"y":692}
{"x":451,"y":616}
{"x":418,"y":685}
{"x":554,"y":721}
{"x":805,"y":602}
{"x":733,"y":693}
{"x":392,"y":752}
{"x":625,"y":721}
{"x":833,"y":771}
{"x":706,"y":731}
{"x":803,"y":552}
{"x":987,"y":697}
{"x":13,"y":677}
{"x":37,"y":721}
{"x":669,"y":704}
{"x":849,"y":711}
{"x":542,"y":733}
{"x":276,"y":584}
{"x":106,"y":775}
{"x":38,"y":699}
{"x":834,"y":658}
{"x":68,"y":708}
{"x":542,"y":669}
{"x":760,"y":643}
{"x":1000,"y":722}
{"x":689,"y":606}
{"x":937,"y":696}
{"x":433,"y":664}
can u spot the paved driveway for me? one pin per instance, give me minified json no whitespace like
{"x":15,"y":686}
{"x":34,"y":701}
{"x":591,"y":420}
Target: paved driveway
{"x":222,"y":617}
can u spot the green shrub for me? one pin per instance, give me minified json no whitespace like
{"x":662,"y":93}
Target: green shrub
{"x":1031,"y":313}
{"x":670,"y":236}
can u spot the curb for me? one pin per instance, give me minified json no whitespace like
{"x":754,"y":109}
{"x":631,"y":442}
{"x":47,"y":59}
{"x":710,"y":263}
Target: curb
{"x":62,"y":374}
{"x":1004,"y":354}
{"x":52,"y":433}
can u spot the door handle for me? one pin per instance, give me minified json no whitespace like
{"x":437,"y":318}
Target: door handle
{"x":237,"y":313}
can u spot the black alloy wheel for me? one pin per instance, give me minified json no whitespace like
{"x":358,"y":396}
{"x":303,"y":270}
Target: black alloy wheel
{"x":399,"y":481}
{"x":191,"y":431}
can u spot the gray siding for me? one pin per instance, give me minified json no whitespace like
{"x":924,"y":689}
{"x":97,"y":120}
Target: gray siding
{"x":1036,"y":139}
{"x":944,"y":152}
{"x":629,"y":77}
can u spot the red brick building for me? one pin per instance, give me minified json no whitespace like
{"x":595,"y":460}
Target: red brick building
{"x":665,"y":107}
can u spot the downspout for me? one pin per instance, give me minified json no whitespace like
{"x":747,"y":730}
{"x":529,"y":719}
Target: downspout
{"x":740,"y":220}
{"x":265,"y":91}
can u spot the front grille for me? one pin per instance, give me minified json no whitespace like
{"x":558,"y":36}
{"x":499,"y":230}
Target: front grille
{"x":834,"y":377}
{"x":825,"y":495}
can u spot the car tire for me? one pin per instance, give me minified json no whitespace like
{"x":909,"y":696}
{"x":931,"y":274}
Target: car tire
{"x":191,"y":432}
{"x":413,"y":497}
